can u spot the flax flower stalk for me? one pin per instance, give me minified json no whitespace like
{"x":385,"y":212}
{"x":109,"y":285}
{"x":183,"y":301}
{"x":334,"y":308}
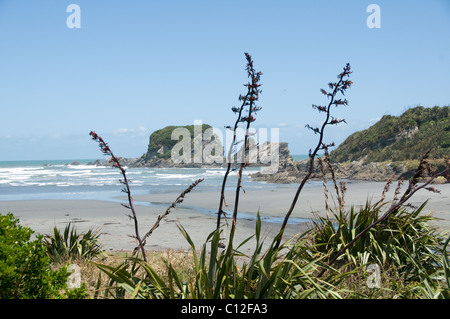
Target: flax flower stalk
{"x":116,"y":163}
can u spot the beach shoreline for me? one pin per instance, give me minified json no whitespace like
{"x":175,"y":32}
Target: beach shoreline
{"x":197,"y":213}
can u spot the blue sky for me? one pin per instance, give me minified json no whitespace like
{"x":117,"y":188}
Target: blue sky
{"x":136,"y":66}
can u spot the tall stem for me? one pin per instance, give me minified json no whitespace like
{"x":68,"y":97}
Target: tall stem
{"x":241,"y":168}
{"x":252,"y":97}
{"x":130,"y":201}
{"x":107,"y":151}
{"x":311,"y":160}
{"x":230,"y":151}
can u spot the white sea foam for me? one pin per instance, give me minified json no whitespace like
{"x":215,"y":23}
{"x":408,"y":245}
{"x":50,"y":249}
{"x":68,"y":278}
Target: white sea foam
{"x":175,"y":176}
{"x":48,"y":181}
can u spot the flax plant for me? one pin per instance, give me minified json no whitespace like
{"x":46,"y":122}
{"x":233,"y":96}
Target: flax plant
{"x":283,"y":273}
{"x":71,"y":245}
{"x":405,"y":241}
{"x":398,"y":205}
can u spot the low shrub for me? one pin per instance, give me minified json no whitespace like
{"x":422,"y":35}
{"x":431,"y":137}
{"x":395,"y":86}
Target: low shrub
{"x":25,"y":271}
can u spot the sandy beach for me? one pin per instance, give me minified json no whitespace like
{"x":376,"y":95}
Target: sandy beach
{"x":196,"y":213}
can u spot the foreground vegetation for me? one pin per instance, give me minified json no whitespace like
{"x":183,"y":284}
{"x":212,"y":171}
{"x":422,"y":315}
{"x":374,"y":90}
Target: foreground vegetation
{"x":26,"y":271}
{"x":411,"y":254}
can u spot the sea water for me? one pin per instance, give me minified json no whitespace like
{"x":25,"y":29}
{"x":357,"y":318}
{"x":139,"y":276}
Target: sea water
{"x":25,"y":180}
{"x":80,"y":180}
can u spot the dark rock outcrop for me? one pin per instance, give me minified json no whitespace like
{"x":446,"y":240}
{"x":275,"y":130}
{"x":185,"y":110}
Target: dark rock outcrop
{"x":292,"y":171}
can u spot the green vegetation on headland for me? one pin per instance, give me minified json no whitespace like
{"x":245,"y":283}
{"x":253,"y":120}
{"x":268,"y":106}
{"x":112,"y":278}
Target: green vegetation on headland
{"x":400,"y":138}
{"x":391,"y":148}
{"x":161,"y":142}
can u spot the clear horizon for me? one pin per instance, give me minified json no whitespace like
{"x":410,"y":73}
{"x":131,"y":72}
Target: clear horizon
{"x":133,"y":68}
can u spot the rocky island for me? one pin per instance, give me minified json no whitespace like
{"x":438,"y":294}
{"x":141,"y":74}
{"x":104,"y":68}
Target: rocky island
{"x":161,"y":146}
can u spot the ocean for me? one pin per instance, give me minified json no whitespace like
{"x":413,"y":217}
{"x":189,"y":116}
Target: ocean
{"x":65,"y":179}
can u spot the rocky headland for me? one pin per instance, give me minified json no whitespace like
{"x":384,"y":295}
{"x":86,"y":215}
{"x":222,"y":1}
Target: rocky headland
{"x":292,"y":171}
{"x":391,"y":148}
